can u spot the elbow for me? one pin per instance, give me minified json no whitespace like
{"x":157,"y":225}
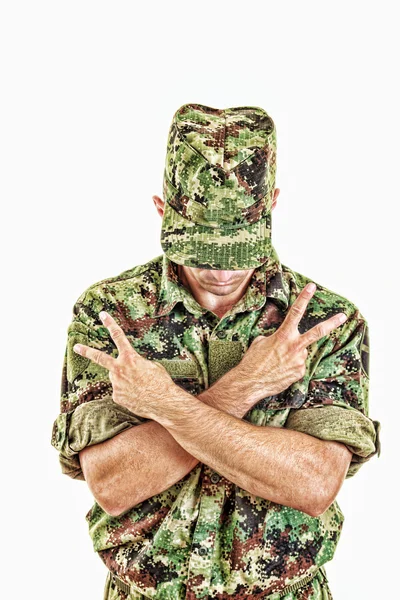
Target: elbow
{"x":105,"y":488}
{"x":318,"y":508}
{"x":102,"y":492}
{"x":118,"y":512}
{"x":109,"y":500}
{"x":318,"y":502}
{"x":106,"y":501}
{"x":98,"y":485}
{"x":330,"y":481}
{"x":111,"y":508}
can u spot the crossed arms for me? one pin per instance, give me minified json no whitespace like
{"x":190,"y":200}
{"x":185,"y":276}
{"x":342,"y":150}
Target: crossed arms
{"x":282,"y":465}
{"x":285,"y":465}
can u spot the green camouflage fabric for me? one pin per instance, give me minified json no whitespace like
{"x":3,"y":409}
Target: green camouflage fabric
{"x":219,"y":181}
{"x":205,"y":536}
{"x":316,"y":589}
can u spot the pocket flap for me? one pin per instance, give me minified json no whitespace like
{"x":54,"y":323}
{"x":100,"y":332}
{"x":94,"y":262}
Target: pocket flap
{"x":180,"y":368}
{"x":222,"y":357}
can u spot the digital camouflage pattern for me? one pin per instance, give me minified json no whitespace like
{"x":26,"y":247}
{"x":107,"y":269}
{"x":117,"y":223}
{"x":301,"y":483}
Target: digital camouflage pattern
{"x":219,"y":181}
{"x":205,"y":537}
{"x":316,"y":589}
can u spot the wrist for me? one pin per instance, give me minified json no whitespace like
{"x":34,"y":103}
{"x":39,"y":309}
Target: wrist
{"x":258,"y":386}
{"x":232,"y":393}
{"x":171,"y":405}
{"x":245,"y":381}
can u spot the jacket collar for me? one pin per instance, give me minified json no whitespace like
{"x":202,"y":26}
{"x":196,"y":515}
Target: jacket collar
{"x":267,"y":281}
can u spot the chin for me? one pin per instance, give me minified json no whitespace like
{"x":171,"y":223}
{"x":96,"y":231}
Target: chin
{"x":220,"y":290}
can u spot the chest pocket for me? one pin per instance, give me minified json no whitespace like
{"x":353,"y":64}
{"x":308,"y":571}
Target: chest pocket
{"x":185,"y":372}
{"x":222,"y":357}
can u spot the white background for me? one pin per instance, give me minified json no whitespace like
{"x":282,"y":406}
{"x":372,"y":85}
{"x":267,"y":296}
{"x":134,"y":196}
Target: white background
{"x":88,"y":91}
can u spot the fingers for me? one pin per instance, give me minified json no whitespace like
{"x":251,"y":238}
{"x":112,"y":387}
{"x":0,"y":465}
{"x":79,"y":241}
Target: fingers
{"x":297,"y":309}
{"x":322,"y":329}
{"x":121,"y":341}
{"x":101,"y":358}
{"x":117,"y":333}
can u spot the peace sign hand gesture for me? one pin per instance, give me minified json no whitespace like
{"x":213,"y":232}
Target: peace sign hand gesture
{"x":274,"y":362}
{"x":137,"y":383}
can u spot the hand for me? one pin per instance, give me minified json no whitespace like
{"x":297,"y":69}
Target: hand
{"x":137,"y":382}
{"x":274,"y":362}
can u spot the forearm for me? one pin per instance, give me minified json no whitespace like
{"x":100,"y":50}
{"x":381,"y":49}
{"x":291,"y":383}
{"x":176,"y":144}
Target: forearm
{"x":145,"y":460}
{"x":281,"y":465}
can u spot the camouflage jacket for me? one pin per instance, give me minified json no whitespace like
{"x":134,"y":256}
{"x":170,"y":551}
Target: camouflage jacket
{"x":206,"y":536}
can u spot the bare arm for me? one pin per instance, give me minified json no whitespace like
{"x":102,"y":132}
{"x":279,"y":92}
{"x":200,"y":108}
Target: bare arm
{"x":281,"y":465}
{"x":295,"y":468}
{"x":145,"y":460}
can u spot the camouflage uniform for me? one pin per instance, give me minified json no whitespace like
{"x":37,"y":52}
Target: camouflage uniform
{"x":205,"y":537}
{"x":316,"y":589}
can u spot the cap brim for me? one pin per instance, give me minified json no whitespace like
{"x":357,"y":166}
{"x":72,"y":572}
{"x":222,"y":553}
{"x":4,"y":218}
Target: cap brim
{"x":193,"y":245}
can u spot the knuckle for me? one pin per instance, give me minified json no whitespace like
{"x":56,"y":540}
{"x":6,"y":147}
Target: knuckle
{"x":282,"y":333}
{"x":296,"y":309}
{"x":318,"y":333}
{"x":116,"y":332}
{"x":98,"y":357}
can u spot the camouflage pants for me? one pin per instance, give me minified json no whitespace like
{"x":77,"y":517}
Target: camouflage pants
{"x":316,"y":589}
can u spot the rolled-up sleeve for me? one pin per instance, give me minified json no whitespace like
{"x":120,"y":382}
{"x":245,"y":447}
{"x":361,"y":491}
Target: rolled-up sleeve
{"x":88,"y":415}
{"x":337,"y":404}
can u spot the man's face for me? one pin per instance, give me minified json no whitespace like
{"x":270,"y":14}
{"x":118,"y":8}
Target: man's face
{"x":214,"y":281}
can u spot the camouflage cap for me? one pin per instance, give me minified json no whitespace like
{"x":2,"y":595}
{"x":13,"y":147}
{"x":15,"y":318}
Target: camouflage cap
{"x":218,"y":186}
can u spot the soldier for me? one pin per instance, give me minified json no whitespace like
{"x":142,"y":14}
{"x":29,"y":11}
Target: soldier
{"x":213,"y":399}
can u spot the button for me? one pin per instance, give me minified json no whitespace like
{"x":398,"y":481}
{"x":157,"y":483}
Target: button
{"x":221,"y":334}
{"x":215,"y":477}
{"x":202,"y":551}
